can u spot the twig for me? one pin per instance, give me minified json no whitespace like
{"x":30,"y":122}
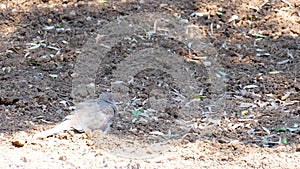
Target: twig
{"x":150,"y":33}
{"x":287,"y":2}
{"x":263,"y":4}
{"x":211,"y":28}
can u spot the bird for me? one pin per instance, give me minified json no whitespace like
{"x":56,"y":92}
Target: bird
{"x":89,"y":115}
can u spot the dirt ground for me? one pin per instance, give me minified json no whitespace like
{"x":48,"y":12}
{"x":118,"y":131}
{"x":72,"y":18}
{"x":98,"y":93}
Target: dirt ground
{"x":198,"y":84}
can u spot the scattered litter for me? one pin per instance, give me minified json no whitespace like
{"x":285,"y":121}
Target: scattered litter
{"x":197,"y":14}
{"x":64,"y":103}
{"x":157,"y":133}
{"x":283,"y":62}
{"x":275,"y":105}
{"x":150,"y":33}
{"x":26,"y":54}
{"x":266,"y":130}
{"x":53,"y":75}
{"x":222,"y":73}
{"x":47,"y":28}
{"x":65,"y":42}
{"x":18,"y":143}
{"x":260,"y":50}
{"x":281,"y":129}
{"x":199,"y":96}
{"x":34,"y":46}
{"x":293,"y":129}
{"x":220,"y":13}
{"x":284,"y":97}
{"x":207,"y":63}
{"x":88,"y":18}
{"x":274,"y":72}
{"x":54,"y":48}
{"x":91,"y":85}
{"x":247,"y":105}
{"x":75,"y":75}
{"x":105,"y":46}
{"x":250,"y":86}
{"x":33,"y":63}
{"x":284,"y":140}
{"x":245,"y":112}
{"x":233,"y":18}
{"x":137,"y":113}
{"x":260,"y":35}
{"x":262,"y":54}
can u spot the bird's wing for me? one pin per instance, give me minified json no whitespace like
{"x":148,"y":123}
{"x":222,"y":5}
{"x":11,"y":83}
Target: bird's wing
{"x":95,"y":116}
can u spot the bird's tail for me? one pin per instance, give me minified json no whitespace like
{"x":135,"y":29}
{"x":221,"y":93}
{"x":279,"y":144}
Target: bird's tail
{"x":56,"y":130}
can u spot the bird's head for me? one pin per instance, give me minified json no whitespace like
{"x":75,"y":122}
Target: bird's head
{"x":108,"y":98}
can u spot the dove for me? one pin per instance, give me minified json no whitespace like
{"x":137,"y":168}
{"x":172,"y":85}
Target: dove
{"x":89,"y":115}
